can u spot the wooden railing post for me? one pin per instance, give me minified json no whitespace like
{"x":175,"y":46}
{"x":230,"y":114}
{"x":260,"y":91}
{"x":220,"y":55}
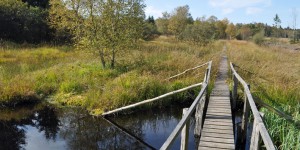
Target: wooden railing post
{"x":234,"y":91}
{"x":206,"y":75}
{"x":245,"y":119}
{"x":185,"y":132}
{"x":255,"y":136}
{"x":259,"y":133}
{"x":199,"y":117}
{"x":200,"y":108}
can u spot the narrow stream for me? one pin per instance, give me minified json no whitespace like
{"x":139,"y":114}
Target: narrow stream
{"x":48,"y":127}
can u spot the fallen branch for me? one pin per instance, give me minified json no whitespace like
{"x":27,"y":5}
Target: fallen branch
{"x":185,"y":71}
{"x":151,"y":100}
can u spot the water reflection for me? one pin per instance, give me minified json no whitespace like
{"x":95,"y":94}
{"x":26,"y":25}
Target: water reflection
{"x":11,"y":137}
{"x":52,"y":128}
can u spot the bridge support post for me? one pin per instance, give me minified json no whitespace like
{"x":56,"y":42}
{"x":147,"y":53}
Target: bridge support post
{"x":234,"y":91}
{"x":245,"y":118}
{"x":255,"y":137}
{"x":185,"y":132}
{"x":199,"y":117}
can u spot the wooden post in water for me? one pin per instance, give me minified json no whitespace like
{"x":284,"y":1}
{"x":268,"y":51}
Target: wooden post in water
{"x":245,"y":119}
{"x":234,"y":91}
{"x":255,"y":137}
{"x":199,"y":117}
{"x":185,"y":132}
{"x":200,"y":109}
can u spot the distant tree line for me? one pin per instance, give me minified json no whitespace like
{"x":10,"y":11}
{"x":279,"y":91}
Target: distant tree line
{"x":108,"y":26}
{"x":62,"y":21}
{"x":202,"y":30}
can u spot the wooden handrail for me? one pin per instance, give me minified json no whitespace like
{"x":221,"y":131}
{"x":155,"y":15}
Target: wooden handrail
{"x":151,"y":100}
{"x":198,"y":100}
{"x":187,"y":70}
{"x":259,"y":128}
{"x":183,"y":121}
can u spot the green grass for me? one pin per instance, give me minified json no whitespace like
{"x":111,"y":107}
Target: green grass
{"x":274,"y":76}
{"x":76,"y":78}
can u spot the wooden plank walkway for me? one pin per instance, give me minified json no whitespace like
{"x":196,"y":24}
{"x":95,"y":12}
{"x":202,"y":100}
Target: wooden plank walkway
{"x":217,"y":132}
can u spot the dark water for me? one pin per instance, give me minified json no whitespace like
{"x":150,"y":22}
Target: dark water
{"x":52,"y":128}
{"x":238,"y":125}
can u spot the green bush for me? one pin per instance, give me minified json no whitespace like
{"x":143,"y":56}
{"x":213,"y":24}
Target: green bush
{"x":259,"y":38}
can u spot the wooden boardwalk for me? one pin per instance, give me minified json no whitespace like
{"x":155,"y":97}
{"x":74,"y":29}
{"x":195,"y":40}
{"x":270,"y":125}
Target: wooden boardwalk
{"x":217,"y":132}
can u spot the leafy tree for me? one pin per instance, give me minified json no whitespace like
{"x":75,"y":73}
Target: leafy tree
{"x":221,"y":26}
{"x":103,"y":26}
{"x":66,"y":20}
{"x":179,"y":19}
{"x":230,"y":31}
{"x":37,"y":3}
{"x":245,"y":32}
{"x":150,"y":29}
{"x":163,"y":23}
{"x":201,"y":32}
{"x":21,"y":22}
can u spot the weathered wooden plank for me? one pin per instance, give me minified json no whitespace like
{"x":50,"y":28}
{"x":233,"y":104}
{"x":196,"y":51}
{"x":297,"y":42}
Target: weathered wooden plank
{"x":214,"y":126}
{"x":224,"y":110}
{"x":218,"y":140}
{"x":215,"y":145}
{"x":218,"y":123}
{"x":218,"y":101}
{"x":218,"y":114}
{"x":217,"y":135}
{"x":213,"y":148}
{"x":218,"y":117}
{"x":217,"y":131}
{"x":221,"y":106}
{"x":218,"y":120}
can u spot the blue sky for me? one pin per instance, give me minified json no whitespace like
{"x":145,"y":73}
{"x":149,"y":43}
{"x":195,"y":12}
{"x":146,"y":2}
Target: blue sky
{"x":237,"y":11}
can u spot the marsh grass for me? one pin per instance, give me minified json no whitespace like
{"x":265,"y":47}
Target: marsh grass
{"x":274,"y":76}
{"x":76,"y":78}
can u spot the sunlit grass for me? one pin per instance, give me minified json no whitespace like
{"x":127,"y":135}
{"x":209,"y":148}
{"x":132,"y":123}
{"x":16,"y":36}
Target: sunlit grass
{"x":76,"y":77}
{"x":274,"y":76}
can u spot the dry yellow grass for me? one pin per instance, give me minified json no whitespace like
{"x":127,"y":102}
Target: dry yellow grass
{"x":274,"y":76}
{"x":274,"y":69}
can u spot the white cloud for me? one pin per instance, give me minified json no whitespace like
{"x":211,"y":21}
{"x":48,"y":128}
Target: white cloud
{"x":151,"y":11}
{"x":227,"y":10}
{"x":251,"y":6}
{"x":253,"y":10}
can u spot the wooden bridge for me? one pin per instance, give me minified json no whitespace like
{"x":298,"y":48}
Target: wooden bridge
{"x":214,"y":115}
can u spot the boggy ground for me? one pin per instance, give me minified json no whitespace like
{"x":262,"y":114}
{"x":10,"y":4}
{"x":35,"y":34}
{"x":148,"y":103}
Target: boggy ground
{"x":73,"y":77}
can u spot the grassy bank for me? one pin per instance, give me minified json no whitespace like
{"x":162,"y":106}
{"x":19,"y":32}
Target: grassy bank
{"x":76,"y":78}
{"x":274,"y":76}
